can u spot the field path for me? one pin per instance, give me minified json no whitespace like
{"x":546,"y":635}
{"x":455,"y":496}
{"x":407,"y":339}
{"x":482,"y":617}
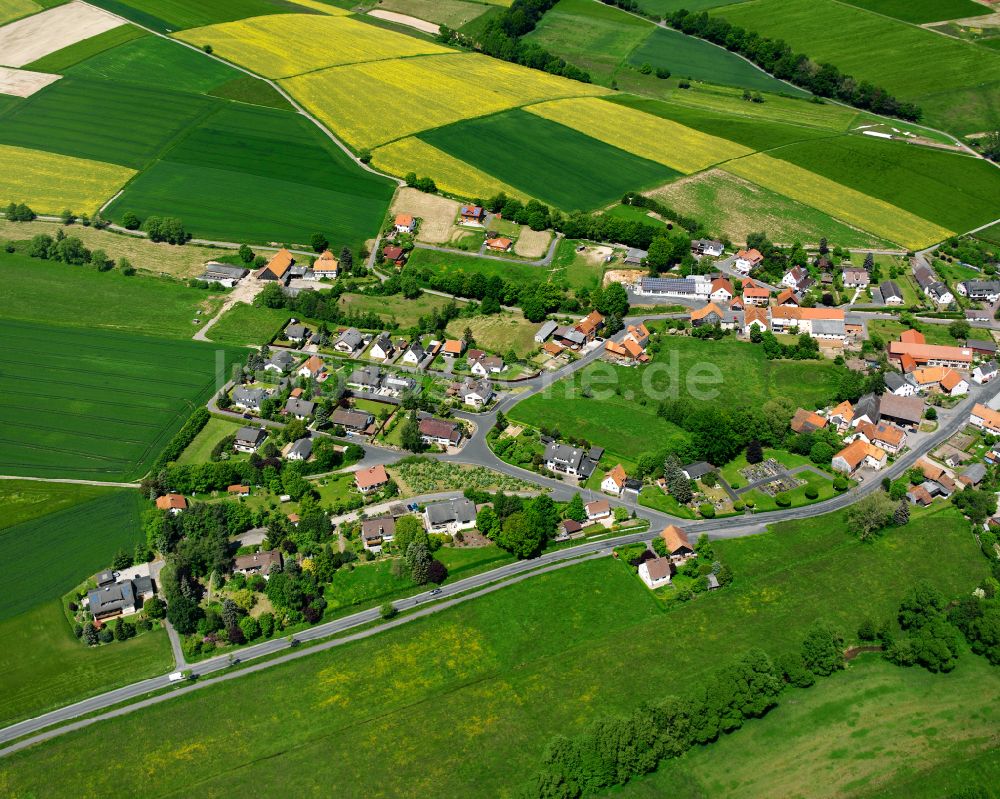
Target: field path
{"x":244,"y":292}
{"x":68,"y":480}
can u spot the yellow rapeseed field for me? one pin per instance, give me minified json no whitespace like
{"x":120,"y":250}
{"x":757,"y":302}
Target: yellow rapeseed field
{"x":280,"y":45}
{"x":661,"y":140}
{"x":15,"y":9}
{"x":374,"y":103}
{"x":451,"y":175}
{"x":50,"y":183}
{"x":862,"y":211}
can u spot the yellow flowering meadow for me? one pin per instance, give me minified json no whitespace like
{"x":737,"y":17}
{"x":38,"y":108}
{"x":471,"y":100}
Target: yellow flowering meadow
{"x":50,"y":183}
{"x":281,"y":45}
{"x":661,"y":140}
{"x":373,"y":103}
{"x":450,"y":174}
{"x":842,"y":202}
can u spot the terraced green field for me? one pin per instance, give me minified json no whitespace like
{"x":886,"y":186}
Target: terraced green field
{"x":94,"y":404}
{"x":47,"y":556}
{"x":957,"y":84}
{"x":955,"y":191}
{"x":548,"y":656}
{"x":546,"y":160}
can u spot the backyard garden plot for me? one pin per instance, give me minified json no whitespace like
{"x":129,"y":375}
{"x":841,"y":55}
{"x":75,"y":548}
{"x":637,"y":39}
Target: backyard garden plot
{"x":113,"y":401}
{"x":956,"y":83}
{"x":733,"y":207}
{"x":549,"y":161}
{"x":48,"y":556}
{"x":955,"y":191}
{"x":49,"y":182}
{"x":450,"y":174}
{"x":854,"y":207}
{"x":165,"y":16}
{"x":33,"y":37}
{"x":101,"y":120}
{"x":253,"y":174}
{"x":156,"y":63}
{"x":510,"y":670}
{"x":424,"y":92}
{"x":653,"y":137}
{"x":691,"y":57}
{"x":283,"y":45}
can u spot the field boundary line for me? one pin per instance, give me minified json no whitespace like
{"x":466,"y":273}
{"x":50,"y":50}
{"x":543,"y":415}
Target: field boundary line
{"x":69,"y":480}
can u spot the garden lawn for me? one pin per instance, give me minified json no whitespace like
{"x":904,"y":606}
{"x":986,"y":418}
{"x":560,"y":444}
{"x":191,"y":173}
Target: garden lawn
{"x":232,"y":178}
{"x":592,"y":36}
{"x":506,"y":672}
{"x":100,"y":405}
{"x":49,"y":555}
{"x":621,"y":417}
{"x":45,"y":666}
{"x":690,"y":57}
{"x":246,"y":325}
{"x":653,"y":497}
{"x":25,"y":500}
{"x":873,"y":730}
{"x":959,"y":94}
{"x":935,"y":334}
{"x":200,"y":449}
{"x":733,"y":207}
{"x":955,"y":191}
{"x":50,"y":292}
{"x":797,"y":497}
{"x":552,"y":162}
{"x":396,"y":308}
{"x":446,"y":262}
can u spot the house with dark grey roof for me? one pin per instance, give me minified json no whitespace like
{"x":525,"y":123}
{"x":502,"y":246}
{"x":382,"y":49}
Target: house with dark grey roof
{"x":248,"y":439}
{"x":476,"y":393}
{"x":568,"y":460}
{"x":299,"y":408}
{"x":367,"y":378}
{"x":546,"y":330}
{"x":904,"y":411}
{"x":697,"y":470}
{"x":352,"y":420}
{"x":382,"y":348}
{"x":896,"y":384}
{"x":297,"y":333}
{"x":693,"y":287}
{"x":440,"y":432}
{"x":118,"y":594}
{"x":973,"y":475}
{"x":635,"y":256}
{"x":866,"y":409}
{"x":280,"y":362}
{"x":399,"y":384}
{"x":223,"y":274}
{"x":249,"y":399}
{"x":984,"y":372}
{"x":349,"y":341}
{"x":300,"y":450}
{"x":891,"y":293}
{"x":982,"y":290}
{"x":414,"y":354}
{"x":450,"y":516}
{"x":982,"y":347}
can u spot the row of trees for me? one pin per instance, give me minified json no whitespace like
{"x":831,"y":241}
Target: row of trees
{"x":776,"y":56}
{"x":614,"y":751}
{"x":501,"y":38}
{"x":71,"y":250}
{"x":159,"y":229}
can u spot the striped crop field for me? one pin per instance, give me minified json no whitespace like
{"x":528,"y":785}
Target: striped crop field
{"x":450,"y":174}
{"x":842,"y":202}
{"x":262,"y":44}
{"x":50,"y":183}
{"x":96,"y":405}
{"x":662,"y":140}
{"x":377,"y":102}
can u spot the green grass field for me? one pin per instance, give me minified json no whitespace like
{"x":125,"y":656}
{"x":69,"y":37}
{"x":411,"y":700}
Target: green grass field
{"x":166,"y":16}
{"x":25,"y":500}
{"x":62,"y":60}
{"x":49,"y":555}
{"x":594,"y":37}
{"x":200,"y":449}
{"x":546,"y":160}
{"x":734,"y":207}
{"x":97,"y":404}
{"x":453,"y":13}
{"x":498,"y":332}
{"x":921,"y":11}
{"x":397,"y":309}
{"x":955,"y":191}
{"x":232,"y":178}
{"x":248,"y":89}
{"x":869,"y":731}
{"x":434,"y":261}
{"x":47,"y":291}
{"x":626,"y":423}
{"x":46,"y":667}
{"x":243,"y":325}
{"x":505,"y":673}
{"x":690,"y":57}
{"x":959,"y":94}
